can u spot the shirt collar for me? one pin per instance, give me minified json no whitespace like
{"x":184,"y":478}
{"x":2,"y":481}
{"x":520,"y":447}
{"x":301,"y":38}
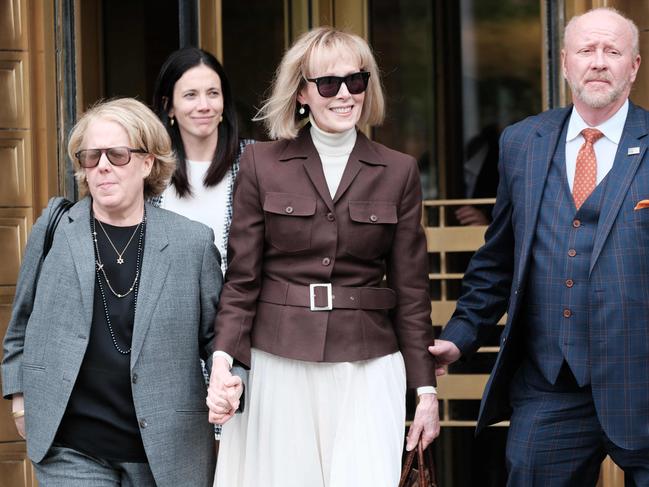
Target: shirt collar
{"x":611,"y":128}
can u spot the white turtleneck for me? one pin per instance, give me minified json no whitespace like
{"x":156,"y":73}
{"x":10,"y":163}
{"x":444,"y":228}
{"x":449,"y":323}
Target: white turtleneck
{"x":334,"y":150}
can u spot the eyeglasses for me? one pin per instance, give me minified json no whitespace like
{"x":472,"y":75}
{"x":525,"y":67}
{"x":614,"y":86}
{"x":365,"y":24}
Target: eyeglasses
{"x":329,"y":86}
{"x":117,"y":156}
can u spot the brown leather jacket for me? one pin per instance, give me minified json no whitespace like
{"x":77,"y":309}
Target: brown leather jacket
{"x":287,"y":233}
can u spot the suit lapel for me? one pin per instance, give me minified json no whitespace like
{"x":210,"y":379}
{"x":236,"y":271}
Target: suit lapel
{"x":77,"y":230}
{"x":302,"y":148}
{"x":539,"y":158}
{"x":313,"y":168}
{"x":361,"y":153}
{"x":621,"y":175}
{"x":352,"y":168}
{"x":155,"y":266}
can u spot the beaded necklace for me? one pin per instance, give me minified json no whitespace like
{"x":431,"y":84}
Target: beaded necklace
{"x":100,"y":271}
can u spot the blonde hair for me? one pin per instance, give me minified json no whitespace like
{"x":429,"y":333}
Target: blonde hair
{"x":633,"y":28}
{"x":145,"y":131}
{"x":279,"y":111}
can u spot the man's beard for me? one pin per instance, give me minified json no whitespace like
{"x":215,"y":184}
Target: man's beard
{"x":598,"y":99}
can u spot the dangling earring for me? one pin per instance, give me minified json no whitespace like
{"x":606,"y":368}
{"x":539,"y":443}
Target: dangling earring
{"x":302,"y":110}
{"x":172,"y":121}
{"x":220,"y":118}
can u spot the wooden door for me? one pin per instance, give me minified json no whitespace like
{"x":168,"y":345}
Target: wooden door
{"x":28,"y":171}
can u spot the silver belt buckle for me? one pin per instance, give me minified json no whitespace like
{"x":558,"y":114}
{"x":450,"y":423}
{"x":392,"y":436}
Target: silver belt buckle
{"x":329,"y":305}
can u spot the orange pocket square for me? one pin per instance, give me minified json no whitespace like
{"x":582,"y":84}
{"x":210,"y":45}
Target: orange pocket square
{"x":642,"y":204}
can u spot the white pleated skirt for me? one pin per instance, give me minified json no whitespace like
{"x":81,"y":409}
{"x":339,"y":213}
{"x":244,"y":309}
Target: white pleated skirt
{"x":313,"y":424}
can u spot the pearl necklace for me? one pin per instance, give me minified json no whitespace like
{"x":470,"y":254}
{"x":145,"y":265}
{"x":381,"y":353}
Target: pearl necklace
{"x":134,"y":287}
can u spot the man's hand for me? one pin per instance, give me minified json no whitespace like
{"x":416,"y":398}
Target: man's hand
{"x":470,"y":215}
{"x":445,"y":353}
{"x":223,"y":393}
{"x":426,"y":422}
{"x":18,"y":406}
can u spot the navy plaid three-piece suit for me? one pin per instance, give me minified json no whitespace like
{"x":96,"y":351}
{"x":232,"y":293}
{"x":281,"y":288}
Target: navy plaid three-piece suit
{"x":573,"y":369}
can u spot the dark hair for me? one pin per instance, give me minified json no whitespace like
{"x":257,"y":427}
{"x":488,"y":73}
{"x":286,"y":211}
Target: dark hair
{"x":174,"y":67}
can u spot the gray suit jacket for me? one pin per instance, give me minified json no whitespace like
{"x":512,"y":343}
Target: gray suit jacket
{"x":174,"y":326}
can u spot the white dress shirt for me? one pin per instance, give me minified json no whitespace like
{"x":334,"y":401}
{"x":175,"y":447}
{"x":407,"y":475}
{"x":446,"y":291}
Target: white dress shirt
{"x":605,"y":148}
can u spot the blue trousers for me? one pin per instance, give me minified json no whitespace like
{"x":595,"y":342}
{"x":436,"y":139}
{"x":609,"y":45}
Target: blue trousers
{"x":555,"y":438}
{"x":65,"y":467}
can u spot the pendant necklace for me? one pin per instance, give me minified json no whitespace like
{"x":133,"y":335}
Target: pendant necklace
{"x":101,"y":272}
{"x":100,"y":264}
{"x":120,"y":259}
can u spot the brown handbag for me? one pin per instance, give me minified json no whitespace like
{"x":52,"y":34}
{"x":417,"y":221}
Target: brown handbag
{"x":424,"y":474}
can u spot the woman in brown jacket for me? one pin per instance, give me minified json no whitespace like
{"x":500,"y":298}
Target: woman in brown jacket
{"x":321,"y":215}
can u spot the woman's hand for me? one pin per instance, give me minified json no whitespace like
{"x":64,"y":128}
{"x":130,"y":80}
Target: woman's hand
{"x":223,"y":393}
{"x":18,"y":408}
{"x":426,"y":422}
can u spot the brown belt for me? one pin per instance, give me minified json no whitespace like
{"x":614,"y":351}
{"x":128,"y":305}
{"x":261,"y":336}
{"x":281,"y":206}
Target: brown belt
{"x":319,"y":296}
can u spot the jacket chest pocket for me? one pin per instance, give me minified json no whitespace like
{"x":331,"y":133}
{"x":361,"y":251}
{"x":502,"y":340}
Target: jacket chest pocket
{"x":637,"y":191}
{"x":372,"y":228}
{"x":289,"y":219}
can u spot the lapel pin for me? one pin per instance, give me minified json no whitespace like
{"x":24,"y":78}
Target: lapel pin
{"x":633,"y":151}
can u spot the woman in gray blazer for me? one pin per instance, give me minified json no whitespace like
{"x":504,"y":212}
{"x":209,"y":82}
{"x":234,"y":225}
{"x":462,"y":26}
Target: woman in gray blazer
{"x":101,"y":359}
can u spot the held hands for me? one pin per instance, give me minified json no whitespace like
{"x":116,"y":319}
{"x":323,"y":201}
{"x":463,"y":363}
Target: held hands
{"x":426,"y":422}
{"x":223,"y":392}
{"x":18,"y":413}
{"x":445,"y":353}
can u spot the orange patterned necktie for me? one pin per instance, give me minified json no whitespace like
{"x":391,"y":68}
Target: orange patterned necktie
{"x":586,"y":169}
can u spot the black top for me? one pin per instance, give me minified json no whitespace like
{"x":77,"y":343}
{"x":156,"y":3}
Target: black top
{"x":100,"y":418}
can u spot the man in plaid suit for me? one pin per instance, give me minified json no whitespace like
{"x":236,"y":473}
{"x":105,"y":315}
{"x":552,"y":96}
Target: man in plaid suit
{"x":567,"y":257}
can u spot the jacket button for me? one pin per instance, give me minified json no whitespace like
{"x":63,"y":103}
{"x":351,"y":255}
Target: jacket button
{"x":570,"y":283}
{"x":326,"y":261}
{"x":572,"y":252}
{"x":374,"y":218}
{"x":576,"y":223}
{"x":567,"y":313}
{"x":143,"y":423}
{"x":289,"y":209}
{"x":331,"y":217}
{"x":134,"y":379}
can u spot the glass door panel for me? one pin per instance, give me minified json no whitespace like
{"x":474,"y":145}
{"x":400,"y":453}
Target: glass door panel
{"x":500,"y":53}
{"x":402,"y":36}
{"x":254,"y":36}
{"x":456,"y":73}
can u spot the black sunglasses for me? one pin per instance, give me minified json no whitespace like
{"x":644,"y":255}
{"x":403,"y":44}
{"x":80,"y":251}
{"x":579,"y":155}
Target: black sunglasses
{"x":117,"y":156}
{"x":329,"y":86}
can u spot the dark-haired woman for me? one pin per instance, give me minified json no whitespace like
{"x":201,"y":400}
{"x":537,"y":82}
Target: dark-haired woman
{"x":192,"y":97}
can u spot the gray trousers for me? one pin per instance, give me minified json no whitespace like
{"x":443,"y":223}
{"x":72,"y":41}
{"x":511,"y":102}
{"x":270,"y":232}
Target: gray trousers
{"x":65,"y":467}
